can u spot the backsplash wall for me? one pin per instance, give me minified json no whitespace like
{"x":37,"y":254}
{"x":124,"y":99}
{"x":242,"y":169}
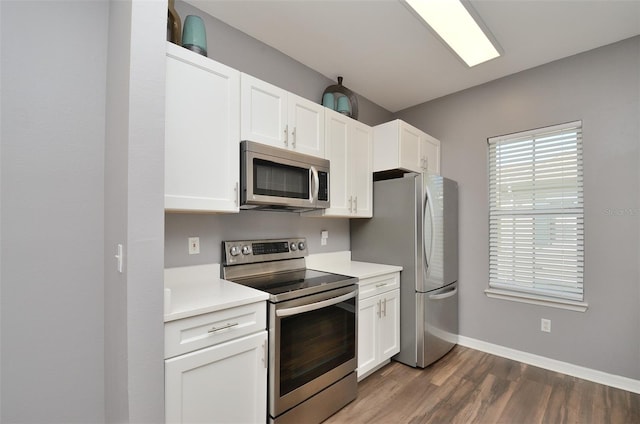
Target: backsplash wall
{"x":246,"y":54}
{"x":213,"y":229}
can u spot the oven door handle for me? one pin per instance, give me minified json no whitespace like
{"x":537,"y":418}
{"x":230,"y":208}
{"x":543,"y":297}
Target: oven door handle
{"x":313,"y":306}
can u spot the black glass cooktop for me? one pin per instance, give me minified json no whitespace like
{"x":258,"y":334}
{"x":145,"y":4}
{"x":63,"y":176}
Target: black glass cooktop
{"x":292,"y":284}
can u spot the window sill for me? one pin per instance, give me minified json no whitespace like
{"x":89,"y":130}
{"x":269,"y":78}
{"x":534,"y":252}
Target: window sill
{"x":536,"y":300}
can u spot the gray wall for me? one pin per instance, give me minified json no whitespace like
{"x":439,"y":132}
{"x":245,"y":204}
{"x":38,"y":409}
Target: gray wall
{"x":67,"y":197}
{"x":602,"y":88}
{"x":247,"y":225}
{"x":134,"y":209}
{"x":236,"y":49}
{"x":134,"y":212}
{"x":53,"y":107}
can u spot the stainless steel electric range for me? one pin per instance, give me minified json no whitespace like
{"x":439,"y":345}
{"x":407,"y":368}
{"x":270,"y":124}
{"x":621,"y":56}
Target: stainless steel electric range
{"x":312,"y":319}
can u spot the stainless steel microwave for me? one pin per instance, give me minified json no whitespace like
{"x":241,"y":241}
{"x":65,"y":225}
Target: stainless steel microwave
{"x":277,"y":179}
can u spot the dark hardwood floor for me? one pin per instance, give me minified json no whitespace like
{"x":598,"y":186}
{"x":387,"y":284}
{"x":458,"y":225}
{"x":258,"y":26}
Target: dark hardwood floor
{"x":468,"y":386}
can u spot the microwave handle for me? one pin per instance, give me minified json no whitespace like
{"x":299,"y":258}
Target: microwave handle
{"x":316,"y":184}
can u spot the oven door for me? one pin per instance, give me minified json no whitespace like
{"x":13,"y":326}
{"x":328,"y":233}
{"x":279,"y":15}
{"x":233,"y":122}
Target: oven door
{"x":312,"y":345}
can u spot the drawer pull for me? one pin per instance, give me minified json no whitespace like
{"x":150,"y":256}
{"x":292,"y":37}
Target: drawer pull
{"x":228,"y":325}
{"x":381,"y":284}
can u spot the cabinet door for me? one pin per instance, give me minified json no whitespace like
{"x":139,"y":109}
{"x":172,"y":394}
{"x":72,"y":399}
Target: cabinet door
{"x":263,"y":116}
{"x":337,"y":151}
{"x":306,"y":126}
{"x":201,"y":133}
{"x":409,"y":155}
{"x":389,"y":325}
{"x":368,"y":311}
{"x":430,"y":154}
{"x":361,"y":165}
{"x":226,"y":383}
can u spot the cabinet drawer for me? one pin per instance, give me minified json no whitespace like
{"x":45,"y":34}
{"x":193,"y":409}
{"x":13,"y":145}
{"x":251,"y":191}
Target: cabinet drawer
{"x":375,"y":285}
{"x":189,"y":334}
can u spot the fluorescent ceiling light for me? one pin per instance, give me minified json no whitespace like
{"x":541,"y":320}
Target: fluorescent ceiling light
{"x":453,"y":23}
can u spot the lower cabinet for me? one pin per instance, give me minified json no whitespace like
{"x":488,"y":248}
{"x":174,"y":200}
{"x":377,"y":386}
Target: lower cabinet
{"x":378,"y":322}
{"x":222,"y":383}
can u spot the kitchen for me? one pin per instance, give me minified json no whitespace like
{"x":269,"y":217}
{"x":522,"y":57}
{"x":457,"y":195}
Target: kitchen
{"x":117,"y":371}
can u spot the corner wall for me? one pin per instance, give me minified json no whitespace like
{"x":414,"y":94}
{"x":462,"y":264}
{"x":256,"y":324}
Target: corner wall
{"x":602,"y":88}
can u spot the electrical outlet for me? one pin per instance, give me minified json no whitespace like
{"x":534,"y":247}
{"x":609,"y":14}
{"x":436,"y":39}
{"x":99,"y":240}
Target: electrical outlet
{"x":324,"y":235}
{"x":545,"y":325}
{"x":194,"y":245}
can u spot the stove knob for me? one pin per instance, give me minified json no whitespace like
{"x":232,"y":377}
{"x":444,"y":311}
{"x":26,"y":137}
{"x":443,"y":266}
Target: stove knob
{"x":294,"y":247}
{"x":246,"y":250}
{"x":301,"y":245}
{"x":235,"y":251}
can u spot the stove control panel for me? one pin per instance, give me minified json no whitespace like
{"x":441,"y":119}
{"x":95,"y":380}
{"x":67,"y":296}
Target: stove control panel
{"x":251,"y":251}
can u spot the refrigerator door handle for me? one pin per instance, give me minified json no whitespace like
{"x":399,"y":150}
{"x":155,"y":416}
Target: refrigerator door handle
{"x":428,"y":210}
{"x":443,"y":295}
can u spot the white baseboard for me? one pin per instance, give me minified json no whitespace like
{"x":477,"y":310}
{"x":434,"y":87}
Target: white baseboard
{"x":600,"y":377}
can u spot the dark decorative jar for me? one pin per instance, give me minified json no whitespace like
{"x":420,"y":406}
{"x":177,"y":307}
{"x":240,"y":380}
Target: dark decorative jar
{"x":340,"y":98}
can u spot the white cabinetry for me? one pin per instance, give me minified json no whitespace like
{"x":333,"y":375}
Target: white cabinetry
{"x":378,"y":322}
{"x":202,"y":133}
{"x":273,"y":116}
{"x":349,"y":147}
{"x":216,"y":367}
{"x":398,"y":145}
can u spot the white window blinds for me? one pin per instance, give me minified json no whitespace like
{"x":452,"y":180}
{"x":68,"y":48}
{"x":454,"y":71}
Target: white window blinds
{"x":536,"y":217}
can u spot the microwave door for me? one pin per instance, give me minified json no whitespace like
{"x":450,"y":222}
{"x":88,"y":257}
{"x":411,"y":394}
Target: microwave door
{"x":277,"y":183}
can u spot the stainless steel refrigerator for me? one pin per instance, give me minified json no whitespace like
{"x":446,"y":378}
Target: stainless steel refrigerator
{"x":415,"y":225}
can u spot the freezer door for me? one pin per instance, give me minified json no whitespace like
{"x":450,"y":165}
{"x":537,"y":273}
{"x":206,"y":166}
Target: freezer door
{"x":438,"y":326}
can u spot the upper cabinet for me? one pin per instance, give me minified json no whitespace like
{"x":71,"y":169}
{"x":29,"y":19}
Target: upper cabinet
{"x":202,"y":133}
{"x":398,"y":145}
{"x":349,"y":147}
{"x":273,"y":116}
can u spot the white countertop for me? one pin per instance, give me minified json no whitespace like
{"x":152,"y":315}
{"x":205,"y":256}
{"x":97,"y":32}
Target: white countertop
{"x":194,"y":290}
{"x":341,"y":263}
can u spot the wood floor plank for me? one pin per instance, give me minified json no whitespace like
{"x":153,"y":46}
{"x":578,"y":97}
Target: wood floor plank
{"x":528,"y":402}
{"x":469,"y":386}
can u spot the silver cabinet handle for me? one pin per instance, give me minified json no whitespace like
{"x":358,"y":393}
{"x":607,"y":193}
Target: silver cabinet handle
{"x":381,"y":285}
{"x":286,"y":135}
{"x":355,"y":203}
{"x":264,"y":351}
{"x":385,"y":306}
{"x":237,"y":189}
{"x":224,"y":327}
{"x":293,"y":133}
{"x":379,"y":308}
{"x":350,"y":204}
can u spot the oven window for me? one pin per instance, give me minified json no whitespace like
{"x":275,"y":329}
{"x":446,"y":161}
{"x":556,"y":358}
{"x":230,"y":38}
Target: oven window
{"x":275,"y":179}
{"x":315,"y":342}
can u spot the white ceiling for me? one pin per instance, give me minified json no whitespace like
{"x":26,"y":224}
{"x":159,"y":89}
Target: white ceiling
{"x":390,"y":57}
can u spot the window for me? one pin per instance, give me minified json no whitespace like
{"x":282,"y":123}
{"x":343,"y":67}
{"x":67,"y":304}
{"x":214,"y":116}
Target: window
{"x":536,"y":216}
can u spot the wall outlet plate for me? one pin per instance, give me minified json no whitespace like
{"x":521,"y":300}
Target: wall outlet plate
{"x":194,"y":245}
{"x":545,"y":325}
